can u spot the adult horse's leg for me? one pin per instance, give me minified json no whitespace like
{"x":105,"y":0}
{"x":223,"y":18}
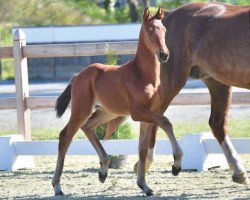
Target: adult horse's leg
{"x":98,"y":117}
{"x":152,"y":129}
{"x":220,"y":103}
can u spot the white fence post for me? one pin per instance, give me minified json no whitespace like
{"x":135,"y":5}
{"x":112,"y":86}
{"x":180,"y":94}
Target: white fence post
{"x":22,"y":87}
{"x":196,"y":155}
{"x":9,"y":160}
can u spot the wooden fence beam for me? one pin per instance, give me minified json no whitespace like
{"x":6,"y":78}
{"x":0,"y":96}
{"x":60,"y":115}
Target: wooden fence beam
{"x":78,"y":49}
{"x":6,"y":52}
{"x":7,"y":103}
{"x":22,"y":85}
{"x":201,"y":98}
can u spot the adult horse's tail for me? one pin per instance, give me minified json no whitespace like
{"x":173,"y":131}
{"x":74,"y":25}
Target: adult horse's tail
{"x":63,"y":100}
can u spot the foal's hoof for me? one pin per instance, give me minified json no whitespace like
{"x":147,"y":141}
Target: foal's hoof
{"x":57,"y":189}
{"x":60,"y":193}
{"x":149,"y":192}
{"x":102,"y":177}
{"x":175,"y":171}
{"x":240,"y":178}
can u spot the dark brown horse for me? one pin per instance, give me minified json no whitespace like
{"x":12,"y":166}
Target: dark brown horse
{"x":132,"y":89}
{"x":211,"y":42}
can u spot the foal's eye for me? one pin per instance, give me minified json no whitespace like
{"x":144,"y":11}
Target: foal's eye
{"x":149,"y":32}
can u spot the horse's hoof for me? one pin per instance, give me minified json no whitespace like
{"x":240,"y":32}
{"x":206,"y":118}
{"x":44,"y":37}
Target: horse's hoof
{"x":240,"y":178}
{"x":175,"y":171}
{"x":57,"y":190}
{"x":102,"y":177}
{"x":149,"y":192}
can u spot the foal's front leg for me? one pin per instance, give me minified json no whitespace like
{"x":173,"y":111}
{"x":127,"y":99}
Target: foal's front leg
{"x":139,"y":113}
{"x":143,"y":151}
{"x":144,"y":115}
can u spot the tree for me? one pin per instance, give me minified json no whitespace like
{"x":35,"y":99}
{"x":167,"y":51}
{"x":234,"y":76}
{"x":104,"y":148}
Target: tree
{"x":145,"y":3}
{"x":133,"y":4}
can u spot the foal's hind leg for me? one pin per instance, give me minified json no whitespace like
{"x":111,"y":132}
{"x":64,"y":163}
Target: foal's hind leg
{"x":81,"y":109}
{"x":98,"y":117}
{"x":113,"y":125}
{"x":65,"y":138}
{"x":220,"y":103}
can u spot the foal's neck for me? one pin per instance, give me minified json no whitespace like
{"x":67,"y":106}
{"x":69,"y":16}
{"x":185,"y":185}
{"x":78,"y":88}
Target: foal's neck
{"x":147,"y":62}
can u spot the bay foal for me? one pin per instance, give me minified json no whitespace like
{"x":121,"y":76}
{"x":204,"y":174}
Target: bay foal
{"x":132,"y":89}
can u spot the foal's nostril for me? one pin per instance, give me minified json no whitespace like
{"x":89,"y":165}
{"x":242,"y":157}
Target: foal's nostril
{"x":163,"y":55}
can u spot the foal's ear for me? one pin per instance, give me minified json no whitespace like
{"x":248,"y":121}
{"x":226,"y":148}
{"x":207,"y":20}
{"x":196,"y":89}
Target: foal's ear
{"x":160,"y":13}
{"x":146,"y":14}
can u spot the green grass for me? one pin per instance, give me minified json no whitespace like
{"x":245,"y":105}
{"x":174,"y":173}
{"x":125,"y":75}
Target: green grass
{"x":43,"y":134}
{"x":237,"y":129}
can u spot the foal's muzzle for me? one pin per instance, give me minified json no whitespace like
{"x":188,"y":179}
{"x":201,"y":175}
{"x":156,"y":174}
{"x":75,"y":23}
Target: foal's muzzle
{"x":163,"y":56}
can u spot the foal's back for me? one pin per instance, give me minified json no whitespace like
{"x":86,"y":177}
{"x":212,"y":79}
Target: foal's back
{"x":217,"y":39}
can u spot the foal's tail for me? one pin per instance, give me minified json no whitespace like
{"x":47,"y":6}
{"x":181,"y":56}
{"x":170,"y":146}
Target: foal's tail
{"x":63,"y":100}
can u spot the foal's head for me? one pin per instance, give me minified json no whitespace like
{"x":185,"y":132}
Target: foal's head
{"x":154,"y":33}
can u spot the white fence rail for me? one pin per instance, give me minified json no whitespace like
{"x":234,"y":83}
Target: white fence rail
{"x":201,"y":151}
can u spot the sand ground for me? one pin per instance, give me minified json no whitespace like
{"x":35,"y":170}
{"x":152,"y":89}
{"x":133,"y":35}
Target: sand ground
{"x":80,"y":177}
{"x":80,"y":181}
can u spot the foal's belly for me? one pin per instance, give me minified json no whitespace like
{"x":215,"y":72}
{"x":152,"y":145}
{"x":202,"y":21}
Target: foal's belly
{"x":113,"y":103}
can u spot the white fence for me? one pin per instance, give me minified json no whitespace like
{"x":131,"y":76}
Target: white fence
{"x":201,"y":151}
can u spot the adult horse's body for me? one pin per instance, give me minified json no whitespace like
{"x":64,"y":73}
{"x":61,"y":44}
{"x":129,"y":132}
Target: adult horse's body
{"x":133,"y":89}
{"x":211,"y":42}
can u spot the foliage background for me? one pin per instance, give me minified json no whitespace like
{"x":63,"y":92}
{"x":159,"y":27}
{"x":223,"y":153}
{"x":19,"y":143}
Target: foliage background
{"x":70,"y":12}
